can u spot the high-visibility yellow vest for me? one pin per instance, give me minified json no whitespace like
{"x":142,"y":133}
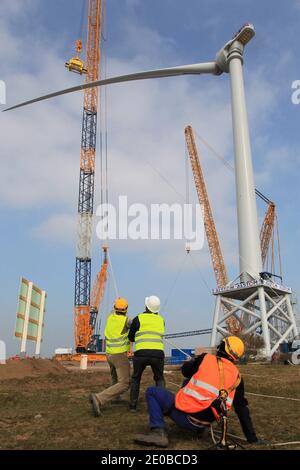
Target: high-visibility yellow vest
{"x":151,"y":332}
{"x":116,"y":342}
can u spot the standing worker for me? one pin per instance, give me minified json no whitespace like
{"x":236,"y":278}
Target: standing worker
{"x":210,"y":379}
{"x":117,"y":347}
{"x":147,"y":331}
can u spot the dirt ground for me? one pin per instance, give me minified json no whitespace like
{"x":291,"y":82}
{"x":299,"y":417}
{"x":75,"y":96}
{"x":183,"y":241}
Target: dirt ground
{"x":49,"y":409}
{"x":19,"y":369}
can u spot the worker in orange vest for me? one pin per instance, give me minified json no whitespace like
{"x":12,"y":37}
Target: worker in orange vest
{"x":197,"y":403}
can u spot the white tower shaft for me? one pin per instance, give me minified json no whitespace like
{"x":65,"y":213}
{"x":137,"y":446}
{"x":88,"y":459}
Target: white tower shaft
{"x":249,"y":244}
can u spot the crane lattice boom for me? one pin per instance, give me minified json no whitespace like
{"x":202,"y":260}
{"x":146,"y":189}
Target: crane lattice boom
{"x":82,"y":327}
{"x":267,"y":229}
{"x":209,"y":224}
{"x":98,"y":290}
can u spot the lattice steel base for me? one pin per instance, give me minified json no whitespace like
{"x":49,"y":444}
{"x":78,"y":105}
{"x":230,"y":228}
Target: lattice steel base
{"x":260,"y":306}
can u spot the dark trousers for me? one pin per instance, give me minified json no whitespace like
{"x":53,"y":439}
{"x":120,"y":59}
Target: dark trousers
{"x":139,"y":365}
{"x":161,"y":403}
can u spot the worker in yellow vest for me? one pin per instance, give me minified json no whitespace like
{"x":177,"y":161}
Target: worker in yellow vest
{"x":147,"y":331}
{"x":117,"y":347}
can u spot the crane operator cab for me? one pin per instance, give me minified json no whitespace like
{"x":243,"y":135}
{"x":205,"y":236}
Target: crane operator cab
{"x":76,"y":64}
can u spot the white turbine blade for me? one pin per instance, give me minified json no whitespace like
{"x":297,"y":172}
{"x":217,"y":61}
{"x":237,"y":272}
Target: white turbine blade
{"x":193,"y":69}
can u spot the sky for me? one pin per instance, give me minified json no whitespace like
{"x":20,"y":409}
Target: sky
{"x":40,"y":147}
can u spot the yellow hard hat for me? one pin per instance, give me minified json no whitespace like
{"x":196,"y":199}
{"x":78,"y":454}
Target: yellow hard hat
{"x":121,"y":304}
{"x":234,"y":347}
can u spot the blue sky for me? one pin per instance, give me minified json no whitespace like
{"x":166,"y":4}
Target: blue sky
{"x":40,"y":147}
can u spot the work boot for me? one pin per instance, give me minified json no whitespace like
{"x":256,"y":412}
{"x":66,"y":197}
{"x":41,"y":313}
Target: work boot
{"x":156,"y":437}
{"x":95,"y":405}
{"x":132,"y":408}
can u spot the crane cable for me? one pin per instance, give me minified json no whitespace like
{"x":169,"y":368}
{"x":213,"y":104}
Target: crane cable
{"x":82,"y":18}
{"x":103,"y":123}
{"x":113,"y":275}
{"x":174,"y":282}
{"x":228,"y":165}
{"x":264,"y":198}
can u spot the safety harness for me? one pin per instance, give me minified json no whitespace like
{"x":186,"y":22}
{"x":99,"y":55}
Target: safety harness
{"x":219,"y":406}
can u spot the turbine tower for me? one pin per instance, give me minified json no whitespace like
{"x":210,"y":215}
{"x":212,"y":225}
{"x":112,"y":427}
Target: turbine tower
{"x":255,"y":301}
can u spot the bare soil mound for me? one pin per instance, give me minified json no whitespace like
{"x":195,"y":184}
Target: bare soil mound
{"x":18,"y":369}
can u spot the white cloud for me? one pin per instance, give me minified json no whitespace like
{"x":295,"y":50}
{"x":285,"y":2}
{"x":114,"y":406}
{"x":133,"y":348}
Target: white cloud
{"x":57,"y":228}
{"x":40,"y":148}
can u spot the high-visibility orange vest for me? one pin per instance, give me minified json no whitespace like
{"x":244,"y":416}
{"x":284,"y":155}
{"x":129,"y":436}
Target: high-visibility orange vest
{"x":203,"y":388}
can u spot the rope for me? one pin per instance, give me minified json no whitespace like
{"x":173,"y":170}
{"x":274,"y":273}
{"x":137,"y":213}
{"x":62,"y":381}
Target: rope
{"x":272,"y":396}
{"x":176,"y":385}
{"x":285,"y":443}
{"x":174,"y":345}
{"x":201,"y":277}
{"x":219,"y":156}
{"x":278,"y":243}
{"x":165,"y":180}
{"x":258,"y":376}
{"x":256,"y":394}
{"x":267,"y":444}
{"x":113,"y":275}
{"x":104,"y":28}
{"x":242,"y":438}
{"x":231,"y":168}
{"x":174,"y":283}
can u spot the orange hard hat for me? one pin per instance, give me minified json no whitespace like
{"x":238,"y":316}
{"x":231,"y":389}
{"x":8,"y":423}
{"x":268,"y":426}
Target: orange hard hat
{"x":121,"y":304}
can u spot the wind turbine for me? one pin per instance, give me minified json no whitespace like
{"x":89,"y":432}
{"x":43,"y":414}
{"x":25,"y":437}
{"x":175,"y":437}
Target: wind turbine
{"x":228,"y":60}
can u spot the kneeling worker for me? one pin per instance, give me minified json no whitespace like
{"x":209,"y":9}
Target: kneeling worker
{"x":197,"y":403}
{"x":117,"y":347}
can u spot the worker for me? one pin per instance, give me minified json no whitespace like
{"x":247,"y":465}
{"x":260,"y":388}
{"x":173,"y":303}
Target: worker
{"x":197,"y":403}
{"x":117,"y":347}
{"x":147,"y":331}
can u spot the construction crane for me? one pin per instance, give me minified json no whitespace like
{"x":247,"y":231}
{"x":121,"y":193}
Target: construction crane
{"x":266,"y":233}
{"x":84,"y":315}
{"x":267,"y":228}
{"x":97,"y":295}
{"x":209,"y":224}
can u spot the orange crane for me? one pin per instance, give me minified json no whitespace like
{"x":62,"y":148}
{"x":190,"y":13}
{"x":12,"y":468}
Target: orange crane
{"x":267,"y":229}
{"x":266,"y":233}
{"x":209,"y":224}
{"x":83,"y":308}
{"x":97,"y":295}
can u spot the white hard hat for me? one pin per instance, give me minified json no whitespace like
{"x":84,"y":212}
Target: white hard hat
{"x":152,"y":303}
